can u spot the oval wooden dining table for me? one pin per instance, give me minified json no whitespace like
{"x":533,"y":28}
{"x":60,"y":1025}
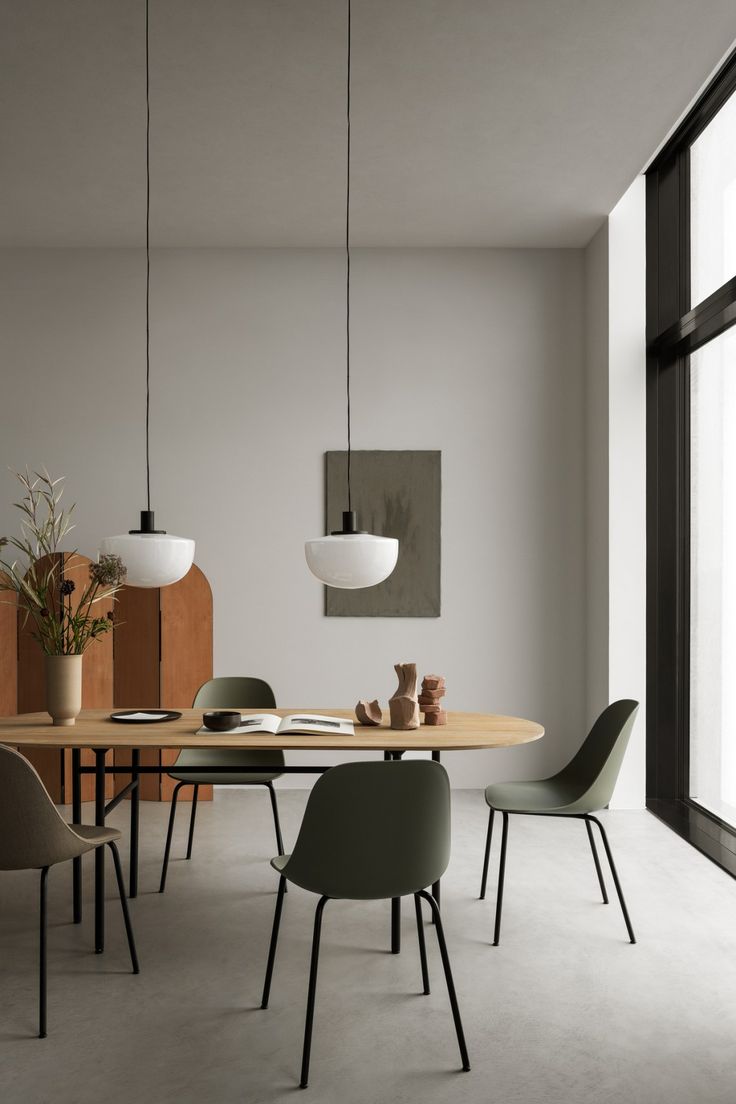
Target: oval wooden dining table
{"x":95,"y":730}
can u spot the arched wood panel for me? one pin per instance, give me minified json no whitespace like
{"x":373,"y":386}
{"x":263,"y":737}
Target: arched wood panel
{"x":136,"y":662}
{"x":8,"y":654}
{"x":162,"y":655}
{"x":186,"y":650}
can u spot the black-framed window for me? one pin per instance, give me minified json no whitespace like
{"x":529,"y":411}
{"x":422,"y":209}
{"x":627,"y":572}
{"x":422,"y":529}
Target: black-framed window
{"x":691,"y":475}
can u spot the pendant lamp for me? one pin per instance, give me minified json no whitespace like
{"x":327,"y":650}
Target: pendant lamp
{"x":153,"y":557}
{"x":350,"y":559}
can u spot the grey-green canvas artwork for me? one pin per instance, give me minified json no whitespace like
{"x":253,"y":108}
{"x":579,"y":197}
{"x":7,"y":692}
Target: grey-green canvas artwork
{"x":396,"y":494}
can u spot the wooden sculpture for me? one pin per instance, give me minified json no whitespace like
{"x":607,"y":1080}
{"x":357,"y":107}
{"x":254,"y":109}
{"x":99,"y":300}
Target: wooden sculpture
{"x":403,"y":706}
{"x":433,"y":690}
{"x":368,"y":713}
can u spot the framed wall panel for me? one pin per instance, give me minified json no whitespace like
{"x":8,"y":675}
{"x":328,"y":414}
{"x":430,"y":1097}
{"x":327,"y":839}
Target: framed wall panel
{"x":397,"y":494}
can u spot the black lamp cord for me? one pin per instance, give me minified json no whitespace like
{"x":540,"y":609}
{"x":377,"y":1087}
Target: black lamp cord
{"x":347,"y":258}
{"x":148,"y":267}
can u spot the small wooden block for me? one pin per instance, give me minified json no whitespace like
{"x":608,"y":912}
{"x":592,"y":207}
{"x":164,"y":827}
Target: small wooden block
{"x":368,"y":713}
{"x":432,"y":695}
{"x":438,"y":718}
{"x":432,"y":682}
{"x":429,"y":707}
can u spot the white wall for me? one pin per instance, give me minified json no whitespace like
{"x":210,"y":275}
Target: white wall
{"x":615,"y":303}
{"x":474,"y":352}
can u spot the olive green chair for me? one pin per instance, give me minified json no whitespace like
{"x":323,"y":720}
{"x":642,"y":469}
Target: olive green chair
{"x":33,"y":836}
{"x":224,"y":693}
{"x":580,"y":789}
{"x":371,"y":831}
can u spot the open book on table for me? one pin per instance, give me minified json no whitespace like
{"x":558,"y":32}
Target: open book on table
{"x":302,"y":723}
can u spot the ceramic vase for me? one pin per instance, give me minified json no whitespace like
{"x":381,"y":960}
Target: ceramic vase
{"x":63,"y":688}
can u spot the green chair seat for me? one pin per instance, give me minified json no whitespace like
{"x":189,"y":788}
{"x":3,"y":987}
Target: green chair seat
{"x":224,"y":757}
{"x":545,"y":796}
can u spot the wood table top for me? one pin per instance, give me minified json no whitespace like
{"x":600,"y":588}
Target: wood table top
{"x":94,"y":729}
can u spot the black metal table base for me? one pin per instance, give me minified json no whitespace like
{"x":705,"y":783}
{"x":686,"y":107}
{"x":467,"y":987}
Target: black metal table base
{"x":135,"y":769}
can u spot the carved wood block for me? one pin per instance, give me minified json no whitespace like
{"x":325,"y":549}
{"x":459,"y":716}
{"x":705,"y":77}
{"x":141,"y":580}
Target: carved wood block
{"x":403,"y":706}
{"x":433,"y":682}
{"x":404,"y":714}
{"x":368,"y":713}
{"x":438,"y":718}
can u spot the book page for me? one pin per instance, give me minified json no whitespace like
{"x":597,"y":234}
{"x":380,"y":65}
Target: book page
{"x":316,"y":722}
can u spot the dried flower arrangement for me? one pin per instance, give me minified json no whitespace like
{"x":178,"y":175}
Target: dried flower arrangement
{"x":41,"y":580}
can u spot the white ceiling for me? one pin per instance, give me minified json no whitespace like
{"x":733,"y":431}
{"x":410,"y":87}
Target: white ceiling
{"x":475,"y":122}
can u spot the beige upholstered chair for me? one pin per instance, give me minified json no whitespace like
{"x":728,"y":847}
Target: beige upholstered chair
{"x":33,"y":835}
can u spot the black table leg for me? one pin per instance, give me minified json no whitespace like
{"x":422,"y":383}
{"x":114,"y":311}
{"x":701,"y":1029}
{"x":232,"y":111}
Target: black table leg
{"x":436,"y":886}
{"x":395,"y":901}
{"x":100,"y":851}
{"x":395,"y":925}
{"x":76,"y":819}
{"x":135,"y":798}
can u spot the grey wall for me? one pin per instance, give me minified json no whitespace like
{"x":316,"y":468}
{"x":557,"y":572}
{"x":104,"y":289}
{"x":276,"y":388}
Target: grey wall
{"x":478,"y":353}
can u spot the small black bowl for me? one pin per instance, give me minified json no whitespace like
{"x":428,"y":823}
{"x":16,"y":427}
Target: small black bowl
{"x":221,"y":720}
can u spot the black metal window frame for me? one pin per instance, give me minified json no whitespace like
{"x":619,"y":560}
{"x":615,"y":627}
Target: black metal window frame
{"x":674,"y":330}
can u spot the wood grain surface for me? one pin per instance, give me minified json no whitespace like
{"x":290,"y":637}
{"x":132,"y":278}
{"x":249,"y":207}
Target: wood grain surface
{"x":463,"y":732}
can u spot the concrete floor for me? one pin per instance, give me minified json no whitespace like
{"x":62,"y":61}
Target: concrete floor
{"x":565,"y":1010}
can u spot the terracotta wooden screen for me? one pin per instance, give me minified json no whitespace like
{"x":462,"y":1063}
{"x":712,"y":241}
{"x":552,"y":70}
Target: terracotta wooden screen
{"x":8,"y":654}
{"x":163,"y":654}
{"x":158,"y":656}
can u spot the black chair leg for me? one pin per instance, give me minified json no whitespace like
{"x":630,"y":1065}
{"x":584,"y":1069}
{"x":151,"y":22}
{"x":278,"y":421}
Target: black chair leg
{"x":274,"y":940}
{"x":501,"y":877}
{"x":448,"y":978}
{"x":312,"y":991}
{"x":192,"y":818}
{"x":486,"y":857}
{"x":42,"y":958}
{"x":275,"y":811}
{"x":124,"y":907}
{"x":616,"y":882}
{"x":169,"y":834}
{"x":276,"y":823}
{"x":596,"y":860}
{"x":422,"y":944}
{"x":395,"y":925}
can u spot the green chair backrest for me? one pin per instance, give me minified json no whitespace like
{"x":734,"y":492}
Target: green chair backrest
{"x":235,"y":693}
{"x":32,"y":831}
{"x":374,"y":830}
{"x":593,"y":771}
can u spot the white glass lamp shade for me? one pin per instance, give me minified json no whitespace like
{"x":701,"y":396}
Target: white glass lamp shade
{"x":151,"y":559}
{"x":350,"y":561}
